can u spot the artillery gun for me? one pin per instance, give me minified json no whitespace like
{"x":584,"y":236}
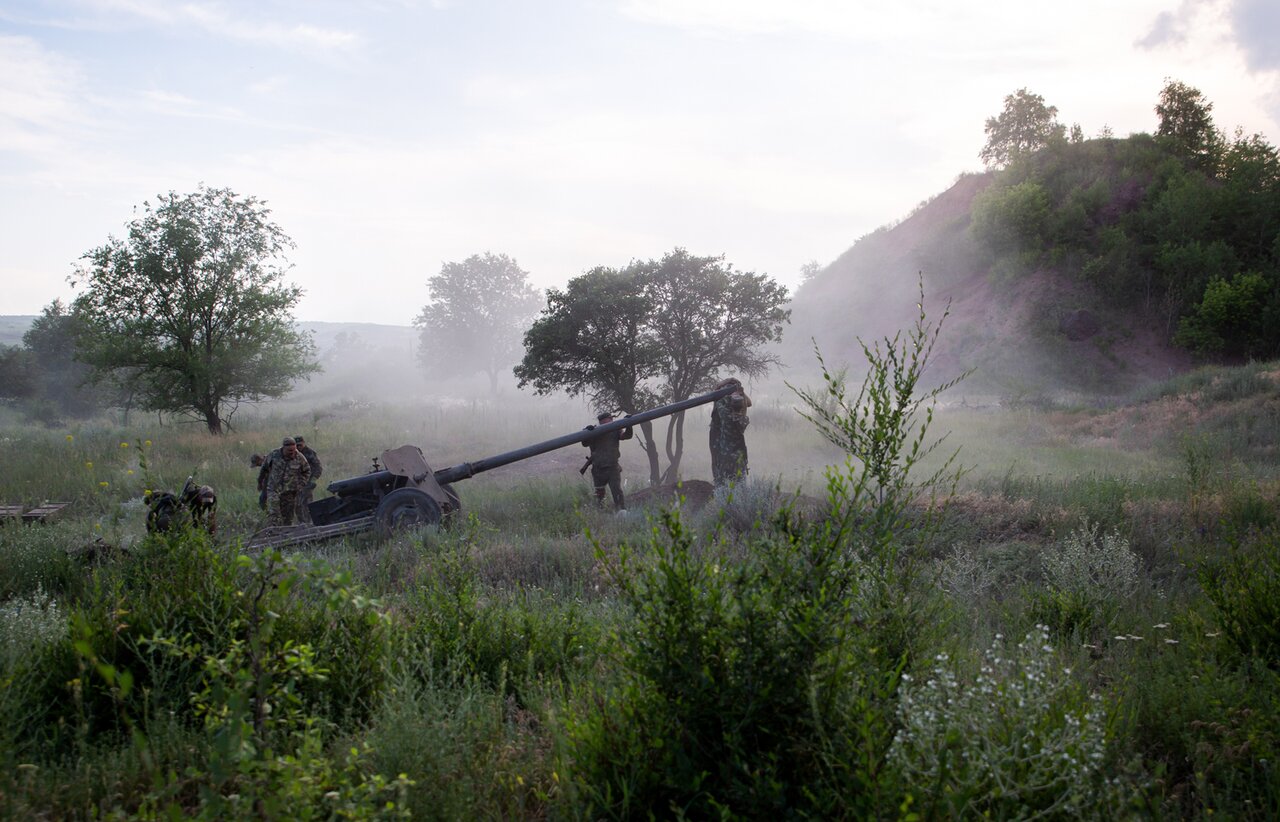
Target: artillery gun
{"x":404,"y":492}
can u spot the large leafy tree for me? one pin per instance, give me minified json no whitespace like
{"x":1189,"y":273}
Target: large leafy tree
{"x":190,"y":311}
{"x":478,"y":313}
{"x":655,"y":331}
{"x":1026,"y":125}
{"x":1186,"y":124}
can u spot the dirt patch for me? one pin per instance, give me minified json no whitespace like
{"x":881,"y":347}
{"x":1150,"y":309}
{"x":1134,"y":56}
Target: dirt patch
{"x":693,"y":495}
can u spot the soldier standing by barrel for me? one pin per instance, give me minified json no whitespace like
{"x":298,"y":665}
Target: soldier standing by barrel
{"x":289,"y":472}
{"x":313,"y":460}
{"x":728,"y":435}
{"x":606,"y":455}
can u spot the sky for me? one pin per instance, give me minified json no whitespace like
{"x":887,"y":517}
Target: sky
{"x":389,"y":137}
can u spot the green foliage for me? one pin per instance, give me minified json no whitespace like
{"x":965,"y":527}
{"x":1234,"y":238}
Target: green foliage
{"x":1233,"y":318}
{"x":880,"y":425}
{"x":1186,"y":124}
{"x":1243,"y":585}
{"x":189,"y":314}
{"x":59,"y":380}
{"x":1089,"y":581}
{"x":1152,"y":223}
{"x":749,"y":686}
{"x":469,"y":751}
{"x":655,"y":331}
{"x":1024,"y":126}
{"x":1012,"y":219}
{"x":478,"y":312}
{"x":505,"y":642}
{"x":1019,"y":739}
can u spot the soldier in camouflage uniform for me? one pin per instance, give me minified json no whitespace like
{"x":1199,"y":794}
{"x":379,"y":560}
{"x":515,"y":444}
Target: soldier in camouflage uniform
{"x":289,"y":472}
{"x":728,"y":435}
{"x":313,"y":460}
{"x":606,"y":454}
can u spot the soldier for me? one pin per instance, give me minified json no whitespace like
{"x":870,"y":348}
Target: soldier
{"x":304,"y":495}
{"x":288,"y":473}
{"x":728,"y":435}
{"x":604,"y":461}
{"x":263,"y":464}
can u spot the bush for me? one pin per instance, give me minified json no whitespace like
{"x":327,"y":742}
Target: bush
{"x":1243,"y":585}
{"x":1019,"y":740}
{"x":759,"y":686}
{"x":1088,"y":576}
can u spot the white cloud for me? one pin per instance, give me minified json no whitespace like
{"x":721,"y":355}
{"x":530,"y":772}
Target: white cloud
{"x":38,"y":96}
{"x":216,"y":19}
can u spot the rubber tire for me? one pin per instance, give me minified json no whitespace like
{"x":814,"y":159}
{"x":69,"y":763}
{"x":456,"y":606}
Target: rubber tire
{"x":406,"y":508}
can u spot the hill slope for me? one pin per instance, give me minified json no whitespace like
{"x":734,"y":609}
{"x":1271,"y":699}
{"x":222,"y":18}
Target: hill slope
{"x":1043,"y":332}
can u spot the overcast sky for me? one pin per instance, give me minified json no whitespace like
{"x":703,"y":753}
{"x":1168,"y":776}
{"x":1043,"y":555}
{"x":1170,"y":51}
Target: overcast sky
{"x":391,"y":136}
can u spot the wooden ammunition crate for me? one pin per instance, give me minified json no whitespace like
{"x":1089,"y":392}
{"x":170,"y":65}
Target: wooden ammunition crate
{"x":44,"y":512}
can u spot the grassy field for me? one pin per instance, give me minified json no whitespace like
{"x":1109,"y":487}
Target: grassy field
{"x":1087,"y":628}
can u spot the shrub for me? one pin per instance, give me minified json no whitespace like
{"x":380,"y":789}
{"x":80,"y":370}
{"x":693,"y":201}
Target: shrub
{"x":1088,"y":576}
{"x":1243,"y":585}
{"x":757,"y":686}
{"x":1020,"y":739}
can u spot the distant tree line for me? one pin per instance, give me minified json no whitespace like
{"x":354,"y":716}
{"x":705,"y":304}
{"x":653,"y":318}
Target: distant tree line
{"x":1182,"y":224}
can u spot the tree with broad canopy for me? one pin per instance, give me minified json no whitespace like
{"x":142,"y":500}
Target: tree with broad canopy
{"x":478,"y":312}
{"x":657,"y":331}
{"x":189,"y":314}
{"x":1186,"y":124}
{"x":1025,"y":126}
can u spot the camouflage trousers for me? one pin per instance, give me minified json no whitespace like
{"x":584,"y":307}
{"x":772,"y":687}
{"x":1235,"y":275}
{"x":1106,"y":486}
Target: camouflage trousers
{"x":281,"y":507}
{"x":304,"y":499}
{"x":610,"y":478}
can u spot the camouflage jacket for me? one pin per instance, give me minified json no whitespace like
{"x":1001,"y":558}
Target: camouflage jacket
{"x":313,"y":460}
{"x":265,"y":471}
{"x":288,"y":474}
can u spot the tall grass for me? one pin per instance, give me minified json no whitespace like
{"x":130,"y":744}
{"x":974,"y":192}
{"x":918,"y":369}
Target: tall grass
{"x":773,"y":653}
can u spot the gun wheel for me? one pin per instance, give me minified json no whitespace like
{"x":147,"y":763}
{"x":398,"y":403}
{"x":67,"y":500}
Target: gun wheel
{"x":406,"y":508}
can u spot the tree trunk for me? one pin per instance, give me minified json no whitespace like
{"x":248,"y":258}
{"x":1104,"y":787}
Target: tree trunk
{"x":651,"y":450}
{"x":675,"y":447}
{"x":212,"y":420}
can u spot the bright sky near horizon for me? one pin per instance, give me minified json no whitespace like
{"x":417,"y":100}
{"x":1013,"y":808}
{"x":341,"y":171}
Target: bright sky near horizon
{"x":391,"y":136}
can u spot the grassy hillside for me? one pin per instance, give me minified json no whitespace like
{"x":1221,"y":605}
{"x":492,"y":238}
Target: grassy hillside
{"x":13,"y":326}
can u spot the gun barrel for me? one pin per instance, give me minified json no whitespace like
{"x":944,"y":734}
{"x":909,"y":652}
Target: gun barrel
{"x":470,"y":469}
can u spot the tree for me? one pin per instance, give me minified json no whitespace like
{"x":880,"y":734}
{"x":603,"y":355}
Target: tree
{"x":478,"y":313}
{"x":1025,"y":126}
{"x":190,"y":311}
{"x":58,"y":377}
{"x":17,"y":373}
{"x":656,"y":331}
{"x":1186,"y":123}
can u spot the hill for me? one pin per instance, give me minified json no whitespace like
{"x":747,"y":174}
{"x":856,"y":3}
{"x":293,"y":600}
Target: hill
{"x":13,"y":326}
{"x":1042,"y":333}
{"x":1091,"y":267}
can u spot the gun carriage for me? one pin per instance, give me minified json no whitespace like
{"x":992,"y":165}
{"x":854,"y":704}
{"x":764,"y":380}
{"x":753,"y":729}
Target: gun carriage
{"x":404,"y":492}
